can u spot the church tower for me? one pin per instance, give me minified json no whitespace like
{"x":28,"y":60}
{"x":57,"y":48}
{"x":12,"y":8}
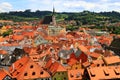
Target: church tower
{"x":53,"y":17}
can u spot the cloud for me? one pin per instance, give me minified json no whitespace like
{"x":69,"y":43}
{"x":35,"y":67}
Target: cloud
{"x":101,"y":5}
{"x":63,"y":5}
{"x":5,"y":7}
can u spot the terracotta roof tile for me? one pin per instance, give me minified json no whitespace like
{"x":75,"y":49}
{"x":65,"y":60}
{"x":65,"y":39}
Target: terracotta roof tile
{"x":94,"y":55}
{"x":25,"y":68}
{"x":17,"y":37}
{"x":104,"y":73}
{"x":3,"y":52}
{"x":54,"y":67}
{"x":3,"y":74}
{"x":72,"y":61}
{"x":112,"y":60}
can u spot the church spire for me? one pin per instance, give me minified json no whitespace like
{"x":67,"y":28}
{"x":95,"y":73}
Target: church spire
{"x":53,"y":10}
{"x":53,"y":17}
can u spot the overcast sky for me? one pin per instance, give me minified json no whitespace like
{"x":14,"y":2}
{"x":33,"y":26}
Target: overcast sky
{"x":60,"y":5}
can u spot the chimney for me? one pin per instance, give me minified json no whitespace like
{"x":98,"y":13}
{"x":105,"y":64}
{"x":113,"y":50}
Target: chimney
{"x":13,"y":67}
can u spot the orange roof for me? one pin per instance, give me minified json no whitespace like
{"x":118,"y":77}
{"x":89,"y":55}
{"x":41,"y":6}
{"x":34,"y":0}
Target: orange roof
{"x":9,"y":44}
{"x":83,"y":48}
{"x":35,"y":57}
{"x":3,"y":52}
{"x":29,"y":34}
{"x":25,"y":68}
{"x":75,"y":74}
{"x":94,"y":55}
{"x":86,"y":64}
{"x":27,"y":27}
{"x":72,"y":61}
{"x":54,"y":67}
{"x":98,"y":61}
{"x":112,"y":60}
{"x":3,"y":74}
{"x":17,"y":37}
{"x":2,"y":39}
{"x":104,"y":73}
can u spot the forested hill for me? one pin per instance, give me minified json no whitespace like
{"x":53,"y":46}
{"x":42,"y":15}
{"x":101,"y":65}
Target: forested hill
{"x":85,"y":17}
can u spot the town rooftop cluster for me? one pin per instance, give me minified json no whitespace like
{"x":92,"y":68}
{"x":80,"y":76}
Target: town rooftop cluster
{"x":49,"y":52}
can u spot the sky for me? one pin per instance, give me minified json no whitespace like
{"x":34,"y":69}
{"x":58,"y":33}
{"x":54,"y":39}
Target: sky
{"x":60,"y":5}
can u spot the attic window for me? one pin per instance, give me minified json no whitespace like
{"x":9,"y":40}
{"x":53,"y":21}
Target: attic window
{"x":102,"y":64}
{"x":92,"y":73}
{"x":33,"y":73}
{"x":76,"y":68}
{"x":25,"y":74}
{"x":98,"y":65}
{"x":20,"y":64}
{"x":41,"y":72}
{"x":77,"y":75}
{"x":71,"y":75}
{"x":116,"y":71}
{"x":31,"y":66}
{"x":106,"y":72}
{"x":17,"y":73}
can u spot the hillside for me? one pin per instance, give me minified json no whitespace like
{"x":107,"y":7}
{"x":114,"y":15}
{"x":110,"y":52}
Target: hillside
{"x":81,"y":18}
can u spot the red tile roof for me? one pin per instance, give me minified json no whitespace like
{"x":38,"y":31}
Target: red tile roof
{"x":54,"y":67}
{"x":3,"y":52}
{"x":3,"y":74}
{"x":25,"y":68}
{"x":111,"y":60}
{"x":104,"y":73}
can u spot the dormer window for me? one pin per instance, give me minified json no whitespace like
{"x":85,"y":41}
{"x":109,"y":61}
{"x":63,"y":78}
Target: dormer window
{"x":98,"y":65}
{"x":106,"y":72}
{"x":77,"y":75}
{"x":33,"y":73}
{"x":25,"y":74}
{"x":41,"y":72}
{"x":31,"y":66}
{"x":71,"y":75}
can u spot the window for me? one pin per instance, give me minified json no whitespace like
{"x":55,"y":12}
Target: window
{"x":71,"y":75}
{"x":25,"y":74}
{"x":98,"y":65}
{"x":102,"y":64}
{"x":76,"y":68}
{"x":64,"y":78}
{"x":41,"y":72}
{"x":31,"y":66}
{"x":33,"y":73}
{"x":58,"y":73}
{"x":17,"y":73}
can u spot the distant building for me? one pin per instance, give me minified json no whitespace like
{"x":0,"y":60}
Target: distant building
{"x":53,"y":28}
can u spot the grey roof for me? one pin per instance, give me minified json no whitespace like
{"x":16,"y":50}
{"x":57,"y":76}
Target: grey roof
{"x":65,"y":53}
{"x":78,"y":52}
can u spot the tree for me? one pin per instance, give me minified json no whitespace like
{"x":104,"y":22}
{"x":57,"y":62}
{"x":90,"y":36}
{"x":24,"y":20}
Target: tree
{"x":7,"y":33}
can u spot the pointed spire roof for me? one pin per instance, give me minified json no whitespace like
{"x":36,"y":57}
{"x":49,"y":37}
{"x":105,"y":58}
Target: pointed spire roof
{"x":53,"y":11}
